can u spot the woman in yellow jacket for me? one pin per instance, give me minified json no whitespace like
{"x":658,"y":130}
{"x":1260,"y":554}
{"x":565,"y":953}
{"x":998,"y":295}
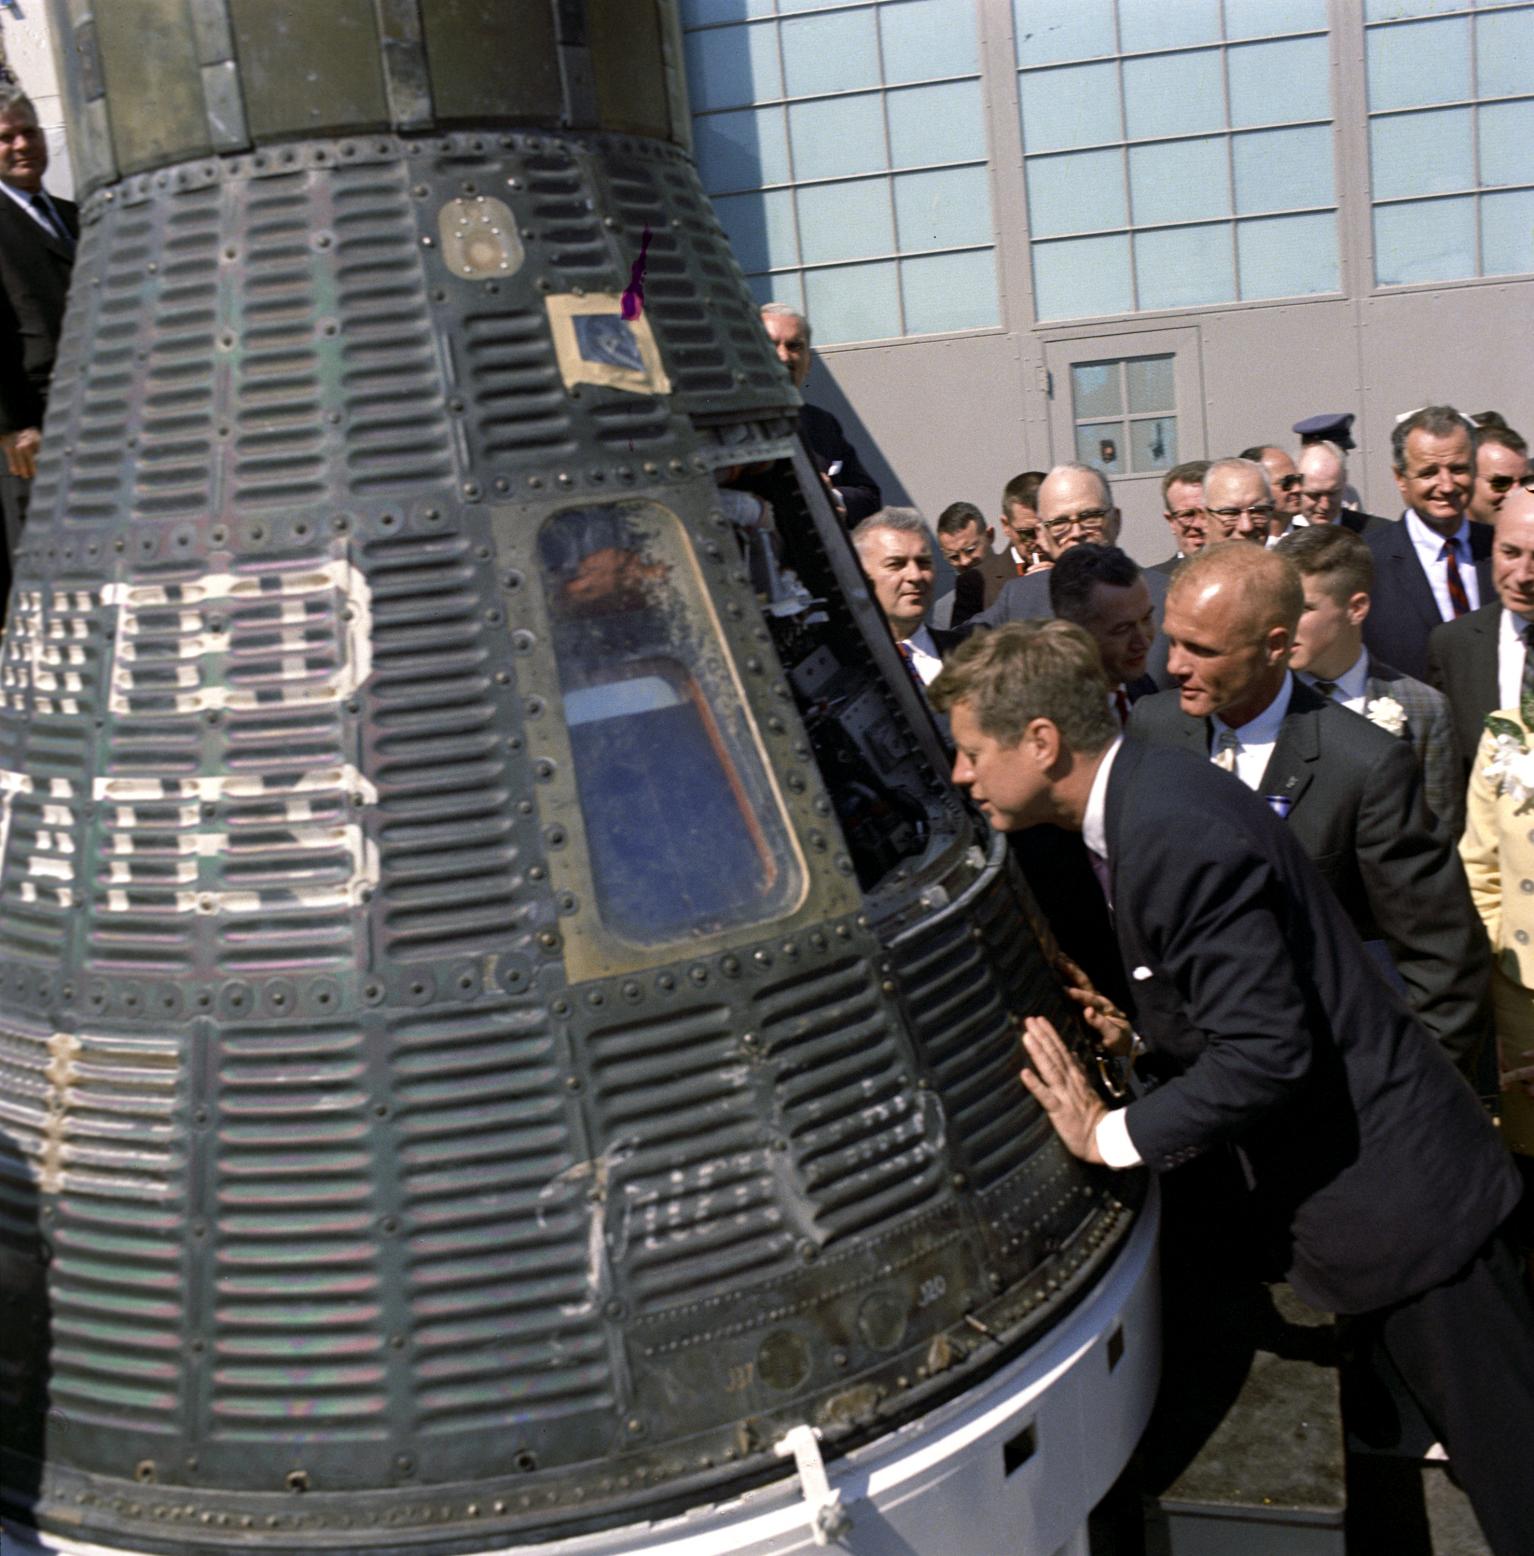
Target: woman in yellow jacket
{"x":1498,"y":850}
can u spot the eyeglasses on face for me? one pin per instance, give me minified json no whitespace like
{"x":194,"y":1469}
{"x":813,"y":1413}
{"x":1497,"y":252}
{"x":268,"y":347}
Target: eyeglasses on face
{"x":1287,"y":483}
{"x":1258,"y":510}
{"x":1088,"y":519}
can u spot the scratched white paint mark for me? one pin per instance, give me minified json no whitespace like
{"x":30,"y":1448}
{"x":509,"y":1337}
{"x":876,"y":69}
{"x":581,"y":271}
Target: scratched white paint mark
{"x":323,"y":608}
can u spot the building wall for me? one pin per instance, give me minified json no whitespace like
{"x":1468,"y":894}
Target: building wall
{"x":24,"y":42}
{"x":1369,"y":155}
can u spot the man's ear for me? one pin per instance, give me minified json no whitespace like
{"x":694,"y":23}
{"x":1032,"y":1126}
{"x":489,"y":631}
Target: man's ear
{"x":1041,"y":740}
{"x":1280,"y":644}
{"x":1358,"y":608}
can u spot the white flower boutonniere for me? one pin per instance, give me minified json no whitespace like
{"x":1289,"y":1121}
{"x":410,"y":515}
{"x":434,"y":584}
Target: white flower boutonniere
{"x":1387,"y":713}
{"x":1511,"y":768}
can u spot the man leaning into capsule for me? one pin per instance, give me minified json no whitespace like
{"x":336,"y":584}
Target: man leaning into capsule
{"x":1378,"y":1185}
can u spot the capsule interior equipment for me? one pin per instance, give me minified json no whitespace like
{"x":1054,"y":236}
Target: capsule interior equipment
{"x":502,"y":1015}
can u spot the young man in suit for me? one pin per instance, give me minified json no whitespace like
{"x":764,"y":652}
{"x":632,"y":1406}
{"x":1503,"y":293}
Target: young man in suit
{"x":1337,"y":572}
{"x":1351,"y":795}
{"x":1377,"y":1182}
{"x":1426,"y":567}
{"x":980,"y":571}
{"x":37,"y":248}
{"x":1182,"y":506}
{"x":1482,"y":661}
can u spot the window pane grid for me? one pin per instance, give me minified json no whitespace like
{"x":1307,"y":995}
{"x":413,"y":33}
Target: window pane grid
{"x":1204,"y":221}
{"x":1422,"y":143}
{"x":1108,"y":431}
{"x":844,"y":178}
{"x":1177,"y":118}
{"x":850,"y":161}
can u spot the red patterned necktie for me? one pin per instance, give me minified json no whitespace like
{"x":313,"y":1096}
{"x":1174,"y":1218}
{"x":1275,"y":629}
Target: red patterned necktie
{"x":1121,"y":702}
{"x":1457,"y":596}
{"x":910,"y":663}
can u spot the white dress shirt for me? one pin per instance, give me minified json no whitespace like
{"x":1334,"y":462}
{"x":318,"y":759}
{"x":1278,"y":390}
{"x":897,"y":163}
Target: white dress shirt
{"x":1352,"y":685}
{"x":1510,"y":657}
{"x":924,"y":655}
{"x":1429,"y":547}
{"x":1257,"y":737}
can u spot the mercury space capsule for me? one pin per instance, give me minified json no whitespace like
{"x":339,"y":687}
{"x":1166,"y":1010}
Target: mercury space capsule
{"x":507,"y":1034}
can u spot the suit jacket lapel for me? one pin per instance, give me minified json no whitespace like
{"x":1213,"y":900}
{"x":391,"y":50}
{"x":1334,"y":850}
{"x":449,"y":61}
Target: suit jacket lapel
{"x":1292,"y":765}
{"x":1410,"y":581}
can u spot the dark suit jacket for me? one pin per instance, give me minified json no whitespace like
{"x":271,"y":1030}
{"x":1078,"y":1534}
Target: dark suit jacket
{"x":1402,"y":610}
{"x":1027,"y":599}
{"x":1357,"y":808}
{"x":34,"y":281}
{"x":1375,"y":1174}
{"x":823,"y":436}
{"x":1168,"y":567}
{"x":1361,"y":523}
{"x":1430,"y":733}
{"x":1462,"y":664}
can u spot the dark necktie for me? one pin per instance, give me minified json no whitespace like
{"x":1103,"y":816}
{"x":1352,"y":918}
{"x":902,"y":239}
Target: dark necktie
{"x":50,"y":219}
{"x":1121,"y":702}
{"x":1526,"y":691}
{"x":910,"y":664}
{"x":1100,"y":870}
{"x":1457,"y":596}
{"x":1326,"y":688}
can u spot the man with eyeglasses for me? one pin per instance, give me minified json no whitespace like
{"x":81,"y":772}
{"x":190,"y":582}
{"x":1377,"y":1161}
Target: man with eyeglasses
{"x":1323,"y":482}
{"x":1182,"y":506}
{"x":1075,"y":506}
{"x":980,"y":571}
{"x":1284,"y":482}
{"x":1501,"y":462}
{"x":1238,"y":502}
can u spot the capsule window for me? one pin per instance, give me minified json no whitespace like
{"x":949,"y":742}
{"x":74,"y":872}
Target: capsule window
{"x":685,"y":831}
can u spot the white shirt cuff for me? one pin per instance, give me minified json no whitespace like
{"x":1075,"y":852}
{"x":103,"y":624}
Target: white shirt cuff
{"x":1113,"y":1142}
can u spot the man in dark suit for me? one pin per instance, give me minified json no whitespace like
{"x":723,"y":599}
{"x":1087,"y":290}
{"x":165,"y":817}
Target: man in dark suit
{"x":854,"y":492}
{"x":1485,"y":660}
{"x":1352,"y":795}
{"x":1376,"y":1181}
{"x":37,"y":246}
{"x":894,"y":550}
{"x":1337,"y":572}
{"x":1426,"y":567}
{"x":1075,"y":506}
{"x":1104,"y":592}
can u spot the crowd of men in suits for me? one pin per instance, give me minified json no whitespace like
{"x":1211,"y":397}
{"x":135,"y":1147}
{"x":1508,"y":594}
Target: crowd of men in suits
{"x":1298,"y":957}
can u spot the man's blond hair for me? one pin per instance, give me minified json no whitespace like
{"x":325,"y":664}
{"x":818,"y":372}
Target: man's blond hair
{"x":1271,"y":591}
{"x":1030,"y":670}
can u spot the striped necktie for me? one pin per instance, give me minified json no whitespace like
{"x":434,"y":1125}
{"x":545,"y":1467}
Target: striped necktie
{"x":910,"y":663}
{"x":1458,"y":599}
{"x":1225,"y":755}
